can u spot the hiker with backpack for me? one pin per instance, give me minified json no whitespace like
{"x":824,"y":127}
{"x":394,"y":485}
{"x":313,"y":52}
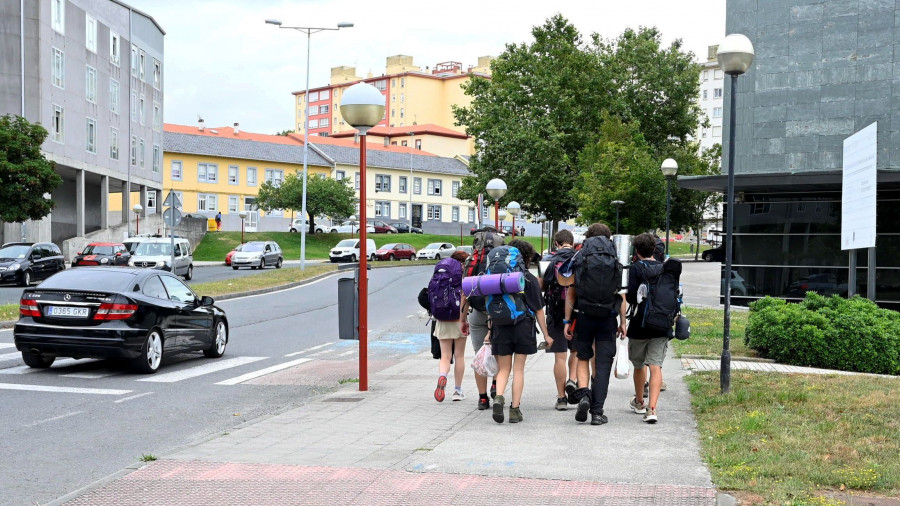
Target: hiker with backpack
{"x":600,"y":319}
{"x":513,"y":316}
{"x":473,"y":318}
{"x":653,"y":299}
{"x":563,"y":349}
{"x":444,"y":291}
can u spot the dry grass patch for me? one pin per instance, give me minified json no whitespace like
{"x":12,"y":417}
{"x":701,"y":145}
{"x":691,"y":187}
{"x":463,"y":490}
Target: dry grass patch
{"x":9,"y":312}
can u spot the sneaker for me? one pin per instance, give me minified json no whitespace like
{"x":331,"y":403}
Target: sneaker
{"x":515,"y":415}
{"x":439,"y":391}
{"x":570,"y":391}
{"x":458,"y":395}
{"x":561,"y":404}
{"x":598,"y":419}
{"x":583,"y":406}
{"x":637,"y":408}
{"x":650,"y":416}
{"x":483,"y":404}
{"x":493,"y":390}
{"x":498,"y":409}
{"x":663,"y":387}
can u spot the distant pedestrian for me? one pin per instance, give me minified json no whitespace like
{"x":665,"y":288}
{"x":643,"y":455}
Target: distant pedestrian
{"x":563,"y":349}
{"x":219,"y":221}
{"x":444,"y":292}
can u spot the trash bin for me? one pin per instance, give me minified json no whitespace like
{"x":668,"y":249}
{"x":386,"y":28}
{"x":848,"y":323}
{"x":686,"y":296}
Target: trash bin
{"x":348,"y":309}
{"x":622,"y":243}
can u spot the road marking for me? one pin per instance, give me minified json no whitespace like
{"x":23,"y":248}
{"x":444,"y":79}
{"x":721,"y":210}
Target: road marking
{"x":351,"y":352}
{"x":55,"y":418}
{"x":90,"y":375}
{"x":302,"y":351}
{"x":7,"y":345}
{"x":9,"y":356}
{"x":226,"y":301}
{"x":193,"y":372}
{"x":132,"y":397}
{"x":263,"y":372}
{"x":65,"y":390}
{"x":24,"y":369}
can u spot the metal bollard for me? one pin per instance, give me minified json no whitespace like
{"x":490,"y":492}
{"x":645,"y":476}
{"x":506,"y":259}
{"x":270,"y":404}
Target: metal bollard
{"x":348,"y":308}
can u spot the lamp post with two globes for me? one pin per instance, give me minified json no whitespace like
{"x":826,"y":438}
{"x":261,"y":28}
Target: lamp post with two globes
{"x":513,"y":208}
{"x":669,"y":169}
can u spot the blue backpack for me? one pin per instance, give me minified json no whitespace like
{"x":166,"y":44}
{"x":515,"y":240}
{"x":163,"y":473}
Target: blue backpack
{"x":444,"y":290}
{"x":507,"y":308}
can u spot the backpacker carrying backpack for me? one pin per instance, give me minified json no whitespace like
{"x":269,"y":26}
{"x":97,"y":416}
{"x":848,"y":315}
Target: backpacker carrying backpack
{"x":444,"y":290}
{"x":598,"y":277}
{"x":555,"y":299}
{"x":661,"y":304}
{"x":508,"y":308}
{"x":484,"y":241}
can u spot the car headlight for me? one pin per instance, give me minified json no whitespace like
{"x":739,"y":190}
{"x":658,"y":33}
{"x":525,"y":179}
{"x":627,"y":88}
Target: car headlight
{"x":14,"y":267}
{"x":104,"y":260}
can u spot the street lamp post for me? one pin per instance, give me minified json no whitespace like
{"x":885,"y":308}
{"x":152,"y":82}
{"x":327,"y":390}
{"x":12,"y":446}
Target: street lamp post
{"x":352,"y":218}
{"x":409,"y":184}
{"x":513,"y":208}
{"x":496,"y":188}
{"x":542,"y":219}
{"x":735,"y":55}
{"x":618,"y":203}
{"x":137,"y":216}
{"x":669,"y":169}
{"x":362,"y":107}
{"x":243,"y":215}
{"x":308,"y":30}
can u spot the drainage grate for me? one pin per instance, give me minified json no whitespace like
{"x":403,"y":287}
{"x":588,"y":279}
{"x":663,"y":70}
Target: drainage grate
{"x":343,"y":399}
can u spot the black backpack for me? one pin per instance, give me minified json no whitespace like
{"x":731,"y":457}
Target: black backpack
{"x":661,"y":304}
{"x":555,"y":299}
{"x":598,"y":277}
{"x":484,"y":241}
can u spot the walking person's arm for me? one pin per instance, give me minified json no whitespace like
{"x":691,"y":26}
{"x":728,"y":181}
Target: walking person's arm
{"x":570,"y":312}
{"x":463,"y":313}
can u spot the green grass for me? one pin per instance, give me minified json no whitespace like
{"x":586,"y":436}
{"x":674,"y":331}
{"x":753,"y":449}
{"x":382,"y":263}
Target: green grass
{"x":683,"y":249}
{"x":266,"y":279}
{"x":706,"y":334}
{"x":9,"y":312}
{"x":148,"y":457}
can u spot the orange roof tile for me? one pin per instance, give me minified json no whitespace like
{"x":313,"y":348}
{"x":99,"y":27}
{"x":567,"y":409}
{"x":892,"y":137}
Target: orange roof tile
{"x":348,"y":141}
{"x":426,"y":129}
{"x":228,"y":132}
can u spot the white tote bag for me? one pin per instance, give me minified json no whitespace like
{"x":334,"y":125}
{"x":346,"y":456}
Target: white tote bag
{"x":622,"y":364}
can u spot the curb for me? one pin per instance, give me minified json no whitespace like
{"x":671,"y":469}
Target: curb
{"x":734,"y":359}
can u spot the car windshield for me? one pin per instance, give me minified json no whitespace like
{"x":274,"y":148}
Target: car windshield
{"x":239,"y":247}
{"x":93,"y":249}
{"x":14,"y":252}
{"x":388,"y":246}
{"x":150,"y":249}
{"x":254,"y":246}
{"x":132,"y":245}
{"x":347,"y":243}
{"x":76,"y":279}
{"x":434,"y":245}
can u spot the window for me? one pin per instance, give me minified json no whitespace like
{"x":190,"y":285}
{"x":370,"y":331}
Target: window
{"x":717,"y":112}
{"x":401,"y":209}
{"x":313,"y":110}
{"x":434,"y":212}
{"x":177,"y":174}
{"x":113,"y":143}
{"x":157,"y":158}
{"x":339,"y":175}
{"x":206,"y":202}
{"x":157,"y":117}
{"x":356,"y":180}
{"x":134,"y":60}
{"x":153,"y":287}
{"x":484,"y":213}
{"x":402,"y":184}
{"x":417,"y":185}
{"x":142,"y":153}
{"x":718,"y":74}
{"x":58,"y":15}
{"x":251,"y":176}
{"x":90,"y":35}
{"x":141,"y":113}
{"x":471,"y":215}
{"x":133,"y":150}
{"x":393,"y":98}
{"x":151,"y":199}
{"x":705,"y":132}
{"x":207,"y":172}
{"x":393,"y":83}
{"x":58,"y":70}
{"x":134,"y":103}
{"x":157,"y":74}
{"x":232,"y":204}
{"x":434,"y":186}
{"x":142,"y":60}
{"x":717,"y":131}
{"x":323,"y":123}
{"x":356,"y":212}
{"x":313,"y":123}
{"x":717,"y":93}
{"x":56,"y":123}
{"x":90,"y":84}
{"x":454,"y":214}
{"x":380,"y":85}
{"x":323,"y":109}
{"x":402,"y":143}
{"x":114,"y":48}
{"x":233,"y":174}
{"x":401,"y":115}
{"x":402,"y":96}
{"x":393,"y":112}
{"x":705,"y":75}
{"x":383,"y":209}
{"x":90,"y":135}
{"x":705,"y":94}
{"x":382,"y":182}
{"x":419,"y":144}
{"x":324,"y":95}
{"x":314,"y":96}
{"x":454,"y":189}
{"x":274,"y":177}
{"x":114,"y":96}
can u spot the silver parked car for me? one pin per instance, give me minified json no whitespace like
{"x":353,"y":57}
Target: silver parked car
{"x":257,"y":255}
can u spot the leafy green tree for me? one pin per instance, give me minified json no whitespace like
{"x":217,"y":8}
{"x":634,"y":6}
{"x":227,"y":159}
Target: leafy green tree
{"x":25,"y":174}
{"x":693,"y":205}
{"x":284,"y":133}
{"x":324,"y":197}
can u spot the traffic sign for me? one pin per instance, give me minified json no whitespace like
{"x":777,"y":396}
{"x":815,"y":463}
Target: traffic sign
{"x":172,"y":200}
{"x":168,"y":218}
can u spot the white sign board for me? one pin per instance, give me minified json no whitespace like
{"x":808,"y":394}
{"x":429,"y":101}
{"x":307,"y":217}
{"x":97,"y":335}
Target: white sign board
{"x":860,"y":183}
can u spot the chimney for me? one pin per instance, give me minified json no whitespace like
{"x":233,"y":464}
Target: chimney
{"x":237,"y":128}
{"x":201,"y":124}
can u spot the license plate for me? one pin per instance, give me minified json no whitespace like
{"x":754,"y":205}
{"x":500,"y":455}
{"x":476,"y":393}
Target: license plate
{"x":67,"y":312}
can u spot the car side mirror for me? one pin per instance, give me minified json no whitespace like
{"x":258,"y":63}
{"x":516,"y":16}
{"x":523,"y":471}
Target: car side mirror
{"x":206,"y":300}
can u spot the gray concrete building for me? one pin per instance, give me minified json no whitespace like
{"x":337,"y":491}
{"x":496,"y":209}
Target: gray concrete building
{"x":91,"y":72}
{"x":824,"y":70}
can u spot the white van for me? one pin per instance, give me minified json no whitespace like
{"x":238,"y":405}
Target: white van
{"x":156,"y":253}
{"x":348,"y":250}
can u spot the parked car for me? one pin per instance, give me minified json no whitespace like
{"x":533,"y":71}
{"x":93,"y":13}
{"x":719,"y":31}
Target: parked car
{"x":136,"y":314}
{"x":231,"y":253}
{"x":257,"y":255}
{"x":346,"y":228}
{"x":382,"y":227}
{"x":156,"y":253}
{"x":739,"y":285}
{"x":714,"y":254}
{"x":436,"y":250}
{"x":395,"y":251}
{"x":299,"y":223}
{"x":102,"y":253}
{"x":25,"y":262}
{"x":348,"y":250}
{"x":824,"y":284}
{"x":133,"y":242}
{"x":404,"y":228}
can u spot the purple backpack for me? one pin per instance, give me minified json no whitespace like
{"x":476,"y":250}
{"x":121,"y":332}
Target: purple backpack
{"x":444,"y":290}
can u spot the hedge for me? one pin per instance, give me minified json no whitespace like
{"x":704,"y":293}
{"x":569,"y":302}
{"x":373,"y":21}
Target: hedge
{"x":827,"y":332}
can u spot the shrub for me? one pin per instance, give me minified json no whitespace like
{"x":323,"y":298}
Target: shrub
{"x":829,"y":332}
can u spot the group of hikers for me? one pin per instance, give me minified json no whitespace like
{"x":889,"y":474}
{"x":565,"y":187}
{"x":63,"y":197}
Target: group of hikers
{"x":578,"y":304}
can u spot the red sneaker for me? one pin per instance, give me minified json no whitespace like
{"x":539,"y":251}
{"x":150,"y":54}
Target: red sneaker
{"x":439,"y":391}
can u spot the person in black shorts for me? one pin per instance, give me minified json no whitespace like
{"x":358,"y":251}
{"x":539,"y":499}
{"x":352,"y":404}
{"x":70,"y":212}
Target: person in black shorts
{"x":555,"y":303}
{"x":511,"y":344}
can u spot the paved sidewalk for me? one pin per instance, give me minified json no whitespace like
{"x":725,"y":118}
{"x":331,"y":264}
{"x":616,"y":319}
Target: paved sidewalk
{"x":396,"y":445}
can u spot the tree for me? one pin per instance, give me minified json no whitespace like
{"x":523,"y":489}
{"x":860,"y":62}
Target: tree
{"x":25,"y":174}
{"x":324,"y":197}
{"x":694,"y":204}
{"x":284,"y":133}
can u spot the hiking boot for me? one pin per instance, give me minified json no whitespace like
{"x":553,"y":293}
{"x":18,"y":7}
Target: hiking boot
{"x":439,"y":391}
{"x":598,"y":419}
{"x":458,"y":395}
{"x":493,"y":390}
{"x":570,"y":392}
{"x":498,"y":409}
{"x":561,"y":404}
{"x":484,"y":404}
{"x":583,"y":406}
{"x":650,"y":416}
{"x":515,"y":415}
{"x":638,"y":408}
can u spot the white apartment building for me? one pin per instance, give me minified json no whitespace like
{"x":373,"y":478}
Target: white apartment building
{"x":712,"y":91}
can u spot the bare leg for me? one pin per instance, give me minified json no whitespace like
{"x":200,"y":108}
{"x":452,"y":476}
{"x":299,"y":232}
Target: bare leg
{"x":504,"y":366}
{"x":639,"y":378}
{"x":559,"y":373}
{"x":518,"y":380}
{"x":446,"y":352}
{"x":573,"y":366}
{"x":460,"y":362}
{"x":481,"y":384}
{"x":584,"y":373}
{"x":655,"y":384}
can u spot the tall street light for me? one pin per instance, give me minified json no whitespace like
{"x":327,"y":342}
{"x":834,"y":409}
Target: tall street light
{"x":735,"y":55}
{"x":669,"y":169}
{"x":362,"y":107}
{"x":409,"y":184}
{"x":137,"y":216}
{"x":542,"y":219}
{"x":513,"y":208}
{"x":308,"y":30}
{"x":618,"y":203}
{"x":496,"y":188}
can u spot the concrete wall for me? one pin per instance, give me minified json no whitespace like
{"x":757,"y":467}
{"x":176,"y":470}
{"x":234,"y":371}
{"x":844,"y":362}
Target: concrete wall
{"x":193,"y":229}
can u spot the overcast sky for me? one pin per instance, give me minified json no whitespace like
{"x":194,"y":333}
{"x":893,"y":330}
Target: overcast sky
{"x":223,"y":62}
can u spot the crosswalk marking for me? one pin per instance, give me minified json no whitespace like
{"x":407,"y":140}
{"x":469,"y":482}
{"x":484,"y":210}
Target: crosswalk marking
{"x":67,"y":390}
{"x":24,"y":369}
{"x":193,"y":372}
{"x":263,"y":372}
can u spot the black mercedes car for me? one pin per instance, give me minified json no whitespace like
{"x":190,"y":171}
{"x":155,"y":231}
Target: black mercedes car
{"x":117,"y":312}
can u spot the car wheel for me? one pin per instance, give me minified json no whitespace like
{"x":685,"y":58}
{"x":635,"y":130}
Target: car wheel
{"x":37,"y":361}
{"x":707,"y":257}
{"x":190,"y":273}
{"x":352,"y":258}
{"x":219,"y":341}
{"x":262,"y":263}
{"x":332,"y":231}
{"x":151,"y":353}
{"x":235,"y":267}
{"x":293,"y":230}
{"x":26,"y":279}
{"x":372,"y":257}
{"x":391,"y":257}
{"x":389,"y":232}
{"x":278,"y":263}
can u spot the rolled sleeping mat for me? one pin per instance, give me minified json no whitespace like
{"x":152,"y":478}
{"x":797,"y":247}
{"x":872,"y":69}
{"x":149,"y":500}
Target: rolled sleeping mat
{"x":493,"y":284}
